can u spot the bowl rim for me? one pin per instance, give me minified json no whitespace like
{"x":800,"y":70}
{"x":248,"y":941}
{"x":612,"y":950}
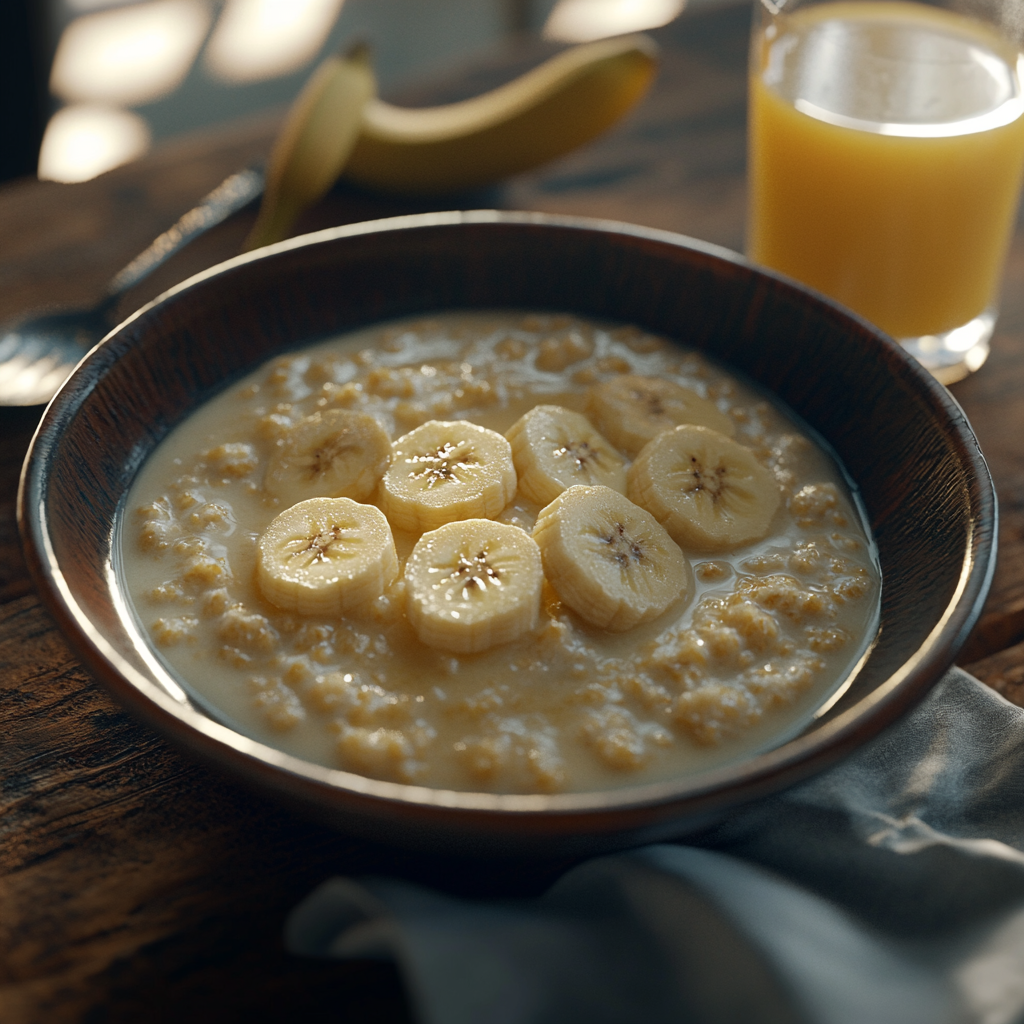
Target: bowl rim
{"x":794,"y":760}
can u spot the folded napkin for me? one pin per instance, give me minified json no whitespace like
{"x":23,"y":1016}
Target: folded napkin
{"x":888,"y":890}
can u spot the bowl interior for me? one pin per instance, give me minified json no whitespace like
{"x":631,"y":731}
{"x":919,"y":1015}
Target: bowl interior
{"x":901,"y":438}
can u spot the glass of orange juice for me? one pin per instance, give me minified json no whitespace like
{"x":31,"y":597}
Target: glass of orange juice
{"x":886,"y":157}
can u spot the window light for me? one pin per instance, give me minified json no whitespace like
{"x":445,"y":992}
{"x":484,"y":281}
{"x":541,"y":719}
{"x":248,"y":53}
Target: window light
{"x":578,"y":21}
{"x":261,"y":39}
{"x":83,"y":140}
{"x":129,"y":55}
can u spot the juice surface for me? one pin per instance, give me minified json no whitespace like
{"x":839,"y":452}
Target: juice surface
{"x":886,"y":155}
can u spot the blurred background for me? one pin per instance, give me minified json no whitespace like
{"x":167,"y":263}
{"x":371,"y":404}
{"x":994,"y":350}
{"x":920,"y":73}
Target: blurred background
{"x":86,"y":85}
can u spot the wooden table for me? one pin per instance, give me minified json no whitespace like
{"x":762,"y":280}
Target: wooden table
{"x":136,"y":885}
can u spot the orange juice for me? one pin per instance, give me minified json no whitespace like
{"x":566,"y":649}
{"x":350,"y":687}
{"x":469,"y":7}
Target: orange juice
{"x":886,"y":154}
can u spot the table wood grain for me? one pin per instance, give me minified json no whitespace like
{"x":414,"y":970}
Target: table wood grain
{"x":137,"y":885}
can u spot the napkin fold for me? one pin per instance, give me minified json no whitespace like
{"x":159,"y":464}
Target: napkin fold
{"x":887,"y":890}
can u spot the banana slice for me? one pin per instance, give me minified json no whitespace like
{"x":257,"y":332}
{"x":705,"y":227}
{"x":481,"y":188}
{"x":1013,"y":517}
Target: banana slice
{"x":472,"y":585}
{"x":608,"y":559}
{"x":630,"y":410}
{"x":326,"y":556}
{"x":554,"y":448}
{"x":708,"y":491}
{"x":332,"y":454}
{"x":444,"y":471}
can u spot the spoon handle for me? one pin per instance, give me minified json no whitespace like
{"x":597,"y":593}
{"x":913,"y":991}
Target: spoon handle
{"x":227,"y":198}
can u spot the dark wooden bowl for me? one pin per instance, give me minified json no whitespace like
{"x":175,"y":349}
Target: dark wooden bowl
{"x":902,"y":438}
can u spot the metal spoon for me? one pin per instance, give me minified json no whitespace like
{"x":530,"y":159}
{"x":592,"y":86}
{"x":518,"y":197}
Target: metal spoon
{"x":37,"y":354}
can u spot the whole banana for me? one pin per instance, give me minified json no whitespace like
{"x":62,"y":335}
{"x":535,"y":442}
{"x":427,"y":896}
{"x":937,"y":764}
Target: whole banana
{"x":547,"y":112}
{"x":338,"y":127}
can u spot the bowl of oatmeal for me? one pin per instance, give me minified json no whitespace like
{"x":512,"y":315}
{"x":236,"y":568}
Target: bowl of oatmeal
{"x":491,"y":530}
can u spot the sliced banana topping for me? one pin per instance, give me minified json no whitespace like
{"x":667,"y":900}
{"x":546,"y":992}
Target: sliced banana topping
{"x":472,"y":585}
{"x":708,"y":491}
{"x":608,"y":559}
{"x":630,"y":410}
{"x":326,"y":556}
{"x":445,"y":471}
{"x":554,"y":448}
{"x":333,"y":454}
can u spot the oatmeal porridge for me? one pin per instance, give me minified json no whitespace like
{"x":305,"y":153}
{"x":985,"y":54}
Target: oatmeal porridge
{"x":501,"y":552}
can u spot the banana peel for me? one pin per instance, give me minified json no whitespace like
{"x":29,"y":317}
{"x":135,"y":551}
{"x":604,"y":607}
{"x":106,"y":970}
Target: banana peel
{"x":316,"y":140}
{"x":337,"y":127}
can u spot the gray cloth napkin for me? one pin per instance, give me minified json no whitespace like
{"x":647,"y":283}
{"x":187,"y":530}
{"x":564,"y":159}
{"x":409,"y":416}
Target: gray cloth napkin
{"x":888,"y":890}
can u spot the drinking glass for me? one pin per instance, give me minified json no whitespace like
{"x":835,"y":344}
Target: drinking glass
{"x":886,"y":156}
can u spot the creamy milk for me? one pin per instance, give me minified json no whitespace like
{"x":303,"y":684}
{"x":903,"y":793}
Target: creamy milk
{"x":771,"y":631}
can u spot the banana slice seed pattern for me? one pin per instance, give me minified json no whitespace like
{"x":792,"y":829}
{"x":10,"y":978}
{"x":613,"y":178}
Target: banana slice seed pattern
{"x":631,"y":410}
{"x":579,"y":452}
{"x":608,"y":559}
{"x":470,"y":573}
{"x":445,"y":471}
{"x":320,"y":545}
{"x":707,"y":490}
{"x":326,"y":556}
{"x":472,"y":585}
{"x":554,"y":448}
{"x":621,"y":547}
{"x":334,"y":454}
{"x":320,"y":459}
{"x":585,"y":459}
{"x":710,"y":480}
{"x":449,"y":462}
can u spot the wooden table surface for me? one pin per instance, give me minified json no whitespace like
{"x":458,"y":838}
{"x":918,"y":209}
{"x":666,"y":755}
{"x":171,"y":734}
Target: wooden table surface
{"x":137,"y":885}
